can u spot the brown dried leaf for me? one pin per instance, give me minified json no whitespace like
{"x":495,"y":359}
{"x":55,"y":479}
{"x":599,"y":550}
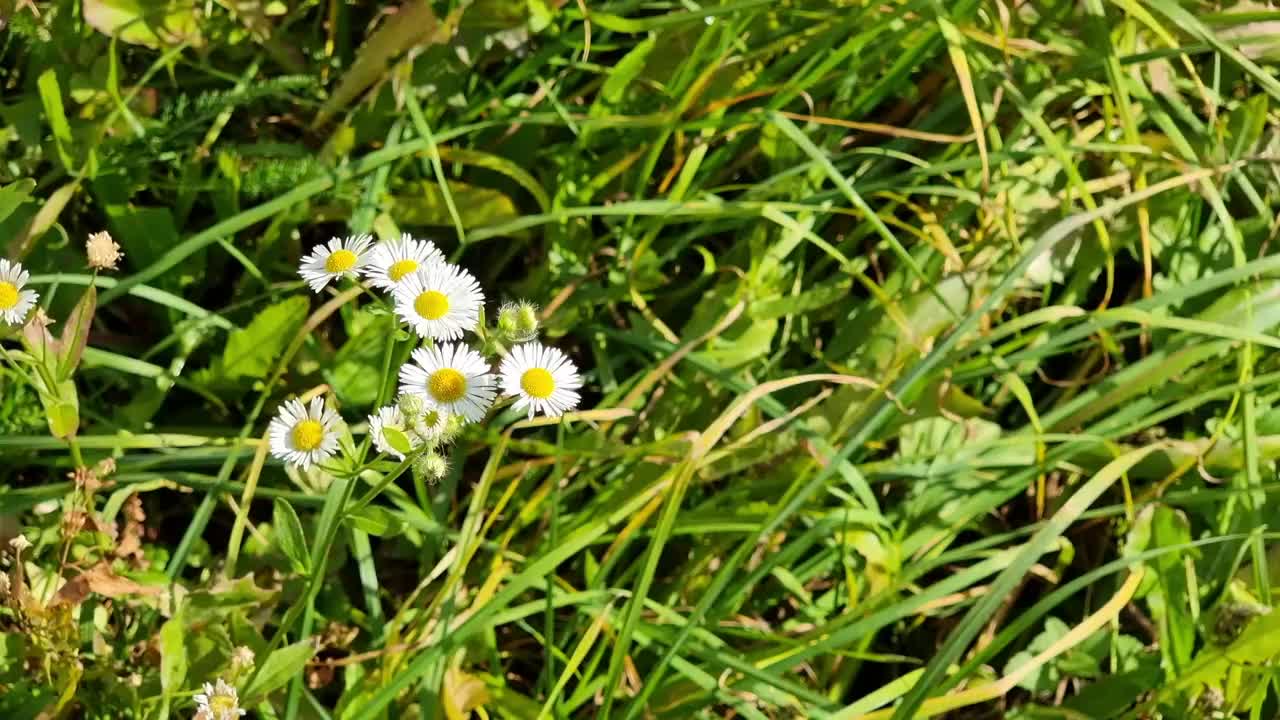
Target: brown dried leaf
{"x":102,"y":580}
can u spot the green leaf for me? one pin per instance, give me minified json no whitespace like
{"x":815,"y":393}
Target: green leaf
{"x":357,"y":367}
{"x":622,"y":74}
{"x":146,"y":233}
{"x":154,"y":23}
{"x":279,"y":668}
{"x":397,"y":440}
{"x":75,"y":333}
{"x":14,"y":194}
{"x":173,"y":655}
{"x":51,"y":98}
{"x":289,"y":534}
{"x":61,"y":407}
{"x":376,"y":520}
{"x":477,"y":206}
{"x":251,"y":351}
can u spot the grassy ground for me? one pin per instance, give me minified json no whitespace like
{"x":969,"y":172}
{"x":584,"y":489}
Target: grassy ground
{"x":928,"y":353}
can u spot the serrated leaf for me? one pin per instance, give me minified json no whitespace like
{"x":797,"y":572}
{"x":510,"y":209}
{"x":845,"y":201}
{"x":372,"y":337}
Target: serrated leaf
{"x":290,"y":536}
{"x":279,"y":668}
{"x":250,"y":351}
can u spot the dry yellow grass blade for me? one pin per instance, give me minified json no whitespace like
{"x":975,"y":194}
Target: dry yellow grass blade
{"x":991,"y":691}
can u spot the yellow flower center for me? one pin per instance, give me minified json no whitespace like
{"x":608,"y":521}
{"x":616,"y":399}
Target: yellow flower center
{"x":447,"y":385}
{"x":538,"y":383}
{"x":400,"y":268}
{"x":223,"y":705}
{"x":307,"y":435}
{"x":8,"y":295}
{"x":340,"y":261}
{"x":431,"y":305}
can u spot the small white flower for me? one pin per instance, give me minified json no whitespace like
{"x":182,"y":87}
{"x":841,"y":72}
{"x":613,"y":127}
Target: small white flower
{"x":541,"y":379}
{"x":389,"y":416}
{"x":14,"y":301}
{"x":391,"y":263}
{"x":431,"y":426}
{"x":450,"y":377}
{"x":338,"y":258}
{"x":218,"y":702}
{"x":440,"y":301}
{"x":304,"y":436}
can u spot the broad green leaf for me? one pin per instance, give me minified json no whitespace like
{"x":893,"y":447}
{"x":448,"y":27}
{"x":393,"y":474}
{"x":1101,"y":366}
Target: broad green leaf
{"x":477,"y":206}
{"x":154,"y":23}
{"x":356,"y":374}
{"x":251,"y":351}
{"x":289,"y":534}
{"x":397,"y":440}
{"x":376,"y":520}
{"x":240,"y":593}
{"x":75,"y":332}
{"x":146,"y":233}
{"x":14,"y":194}
{"x":277,"y":669}
{"x":62,"y":409}
{"x":173,"y":655}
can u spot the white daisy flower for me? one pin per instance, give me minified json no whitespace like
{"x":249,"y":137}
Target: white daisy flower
{"x":339,"y":257}
{"x":387,"y":417}
{"x":15,"y":302}
{"x":392,"y":262}
{"x":304,"y":436}
{"x":541,"y":379}
{"x":440,"y":301}
{"x":218,"y":702}
{"x":451,"y":378}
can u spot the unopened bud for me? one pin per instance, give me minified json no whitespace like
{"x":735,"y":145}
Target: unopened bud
{"x":411,"y":406}
{"x":431,"y":465}
{"x":518,"y":322}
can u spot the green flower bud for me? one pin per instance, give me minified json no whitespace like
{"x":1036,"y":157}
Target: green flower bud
{"x":431,"y":465}
{"x":507,"y":321}
{"x":411,"y":406}
{"x":527,"y":320}
{"x":518,"y":322}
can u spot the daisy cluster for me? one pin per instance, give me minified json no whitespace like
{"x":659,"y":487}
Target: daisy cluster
{"x":447,"y":382}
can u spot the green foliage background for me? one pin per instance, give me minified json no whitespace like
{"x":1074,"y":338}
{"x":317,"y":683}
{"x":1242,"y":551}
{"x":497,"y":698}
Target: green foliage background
{"x":928,"y":348}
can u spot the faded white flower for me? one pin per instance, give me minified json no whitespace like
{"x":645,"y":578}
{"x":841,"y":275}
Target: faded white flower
{"x":103,"y":251}
{"x":218,"y":702}
{"x":19,"y":544}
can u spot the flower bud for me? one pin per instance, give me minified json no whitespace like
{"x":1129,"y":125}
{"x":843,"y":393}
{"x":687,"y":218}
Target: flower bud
{"x":411,"y":406}
{"x":518,"y":322}
{"x":431,"y":465}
